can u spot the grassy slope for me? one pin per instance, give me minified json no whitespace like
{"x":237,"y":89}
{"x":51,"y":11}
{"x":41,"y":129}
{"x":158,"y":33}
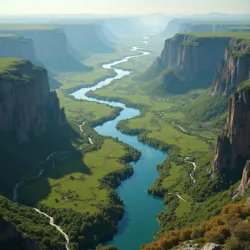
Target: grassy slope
{"x":9,"y":64}
{"x":244,"y":85}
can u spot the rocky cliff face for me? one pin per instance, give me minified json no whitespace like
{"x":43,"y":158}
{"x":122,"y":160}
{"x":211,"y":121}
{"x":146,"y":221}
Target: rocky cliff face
{"x":194,"y":58}
{"x":26,"y":104}
{"x":245,"y":181}
{"x":17,"y":47}
{"x":51,"y":48}
{"x":234,"y":144}
{"x":233,"y":69}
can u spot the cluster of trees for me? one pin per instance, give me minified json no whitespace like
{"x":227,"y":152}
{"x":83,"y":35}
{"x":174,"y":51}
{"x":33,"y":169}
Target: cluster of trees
{"x":114,"y":179}
{"x":116,"y":112}
{"x":109,"y":247}
{"x":30,"y":227}
{"x":123,"y":127}
{"x":231,"y":229}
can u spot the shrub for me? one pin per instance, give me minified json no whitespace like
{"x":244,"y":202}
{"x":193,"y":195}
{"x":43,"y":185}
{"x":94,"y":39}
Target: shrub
{"x":214,"y":236}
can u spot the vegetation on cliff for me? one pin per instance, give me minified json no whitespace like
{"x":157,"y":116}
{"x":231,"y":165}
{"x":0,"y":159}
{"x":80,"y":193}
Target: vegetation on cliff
{"x":231,"y":229}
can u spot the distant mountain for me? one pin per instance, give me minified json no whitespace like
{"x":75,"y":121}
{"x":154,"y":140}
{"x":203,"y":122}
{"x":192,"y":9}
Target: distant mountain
{"x":89,"y":38}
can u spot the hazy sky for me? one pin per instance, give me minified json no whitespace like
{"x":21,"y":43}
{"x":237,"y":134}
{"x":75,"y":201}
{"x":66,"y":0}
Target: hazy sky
{"x":122,"y":6}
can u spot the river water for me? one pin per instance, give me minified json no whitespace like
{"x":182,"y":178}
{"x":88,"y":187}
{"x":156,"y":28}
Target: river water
{"x":139,"y":222}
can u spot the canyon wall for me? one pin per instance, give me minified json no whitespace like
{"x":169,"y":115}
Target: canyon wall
{"x":17,"y":47}
{"x":233,"y":146}
{"x":27,"y":106}
{"x":88,"y":38}
{"x":233,"y":69}
{"x":51,"y":47}
{"x":195,"y":59}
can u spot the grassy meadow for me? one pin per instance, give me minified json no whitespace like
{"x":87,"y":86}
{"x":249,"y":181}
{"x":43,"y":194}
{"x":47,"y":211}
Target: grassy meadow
{"x":73,"y":180}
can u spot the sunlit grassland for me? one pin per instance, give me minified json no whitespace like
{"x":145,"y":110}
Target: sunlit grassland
{"x":74,"y":182}
{"x":187,"y":143}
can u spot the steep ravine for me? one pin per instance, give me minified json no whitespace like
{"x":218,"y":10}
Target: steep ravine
{"x":140,"y":205}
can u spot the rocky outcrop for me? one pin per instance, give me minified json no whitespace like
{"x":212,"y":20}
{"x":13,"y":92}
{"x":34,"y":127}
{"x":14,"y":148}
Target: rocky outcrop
{"x":195,"y":59}
{"x":234,"y":143}
{"x":233,"y":69}
{"x":211,"y":246}
{"x":248,"y":201}
{"x":27,"y":106}
{"x":51,"y":47}
{"x":245,"y":181}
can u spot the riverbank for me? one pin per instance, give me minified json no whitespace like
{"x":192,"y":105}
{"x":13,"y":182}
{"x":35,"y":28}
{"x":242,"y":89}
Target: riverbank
{"x":145,"y":171}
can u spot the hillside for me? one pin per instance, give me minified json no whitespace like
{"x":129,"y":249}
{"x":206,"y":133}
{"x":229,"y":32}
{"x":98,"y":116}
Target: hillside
{"x":166,"y":83}
{"x":231,"y":229}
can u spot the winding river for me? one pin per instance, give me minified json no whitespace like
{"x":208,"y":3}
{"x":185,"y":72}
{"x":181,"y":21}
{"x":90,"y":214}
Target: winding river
{"x":139,"y":222}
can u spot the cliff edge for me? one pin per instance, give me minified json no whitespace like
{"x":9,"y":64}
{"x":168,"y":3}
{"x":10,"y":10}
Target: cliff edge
{"x":27,"y":106}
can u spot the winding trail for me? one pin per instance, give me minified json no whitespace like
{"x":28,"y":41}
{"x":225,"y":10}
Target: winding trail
{"x":194,"y":164}
{"x":51,"y":219}
{"x":180,"y":197}
{"x":181,"y":128}
{"x":80,"y":127}
{"x":90,"y":140}
{"x":51,"y":222}
{"x":186,"y":158}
